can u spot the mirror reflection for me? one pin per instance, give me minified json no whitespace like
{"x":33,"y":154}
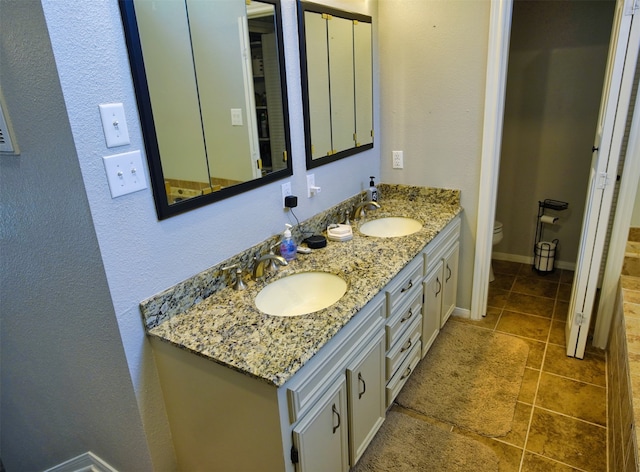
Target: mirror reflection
{"x":210,"y":88}
{"x":336,"y":58}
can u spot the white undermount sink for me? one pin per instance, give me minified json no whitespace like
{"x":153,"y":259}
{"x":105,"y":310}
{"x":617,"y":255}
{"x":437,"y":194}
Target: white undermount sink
{"x":391,"y":227}
{"x":300,"y":294}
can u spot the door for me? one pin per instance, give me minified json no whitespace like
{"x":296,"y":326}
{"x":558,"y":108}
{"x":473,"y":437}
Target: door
{"x":365,"y":397}
{"x":321,"y":436}
{"x":432,"y":307}
{"x":604,"y":164}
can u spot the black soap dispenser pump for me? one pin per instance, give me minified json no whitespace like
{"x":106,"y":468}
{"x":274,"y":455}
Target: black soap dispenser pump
{"x":372,"y":191}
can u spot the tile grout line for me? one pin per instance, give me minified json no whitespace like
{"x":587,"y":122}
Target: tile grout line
{"x":535,"y":395}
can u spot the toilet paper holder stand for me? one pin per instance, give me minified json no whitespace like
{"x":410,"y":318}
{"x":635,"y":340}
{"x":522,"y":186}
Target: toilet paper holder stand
{"x":542,"y":220}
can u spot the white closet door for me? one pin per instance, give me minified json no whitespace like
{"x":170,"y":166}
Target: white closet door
{"x":623,"y":52}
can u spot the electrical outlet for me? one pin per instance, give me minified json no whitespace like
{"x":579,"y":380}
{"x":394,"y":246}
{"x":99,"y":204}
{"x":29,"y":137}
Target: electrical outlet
{"x":398,"y":159}
{"x":286,"y":190}
{"x":311,"y":183}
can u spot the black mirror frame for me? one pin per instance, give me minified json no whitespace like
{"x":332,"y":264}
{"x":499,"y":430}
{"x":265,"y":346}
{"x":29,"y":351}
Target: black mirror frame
{"x":317,"y":8}
{"x":136,"y":62}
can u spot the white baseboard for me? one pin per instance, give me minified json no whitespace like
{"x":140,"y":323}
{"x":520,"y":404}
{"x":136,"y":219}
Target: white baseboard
{"x":87,"y":462}
{"x":461,"y":313}
{"x":502,"y":256}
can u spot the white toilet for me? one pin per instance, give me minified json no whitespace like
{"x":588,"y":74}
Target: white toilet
{"x":497,"y":237}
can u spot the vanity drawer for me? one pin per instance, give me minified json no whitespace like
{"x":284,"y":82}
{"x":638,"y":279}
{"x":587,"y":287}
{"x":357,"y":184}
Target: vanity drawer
{"x":310,"y":383}
{"x":402,"y":374}
{"x":401,"y":349}
{"x":434,"y":251}
{"x":404,"y":316}
{"x":405,"y":284}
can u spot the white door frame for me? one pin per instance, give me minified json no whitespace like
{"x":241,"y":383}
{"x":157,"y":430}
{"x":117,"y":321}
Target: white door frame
{"x":497,"y":62}
{"x":495,"y":90}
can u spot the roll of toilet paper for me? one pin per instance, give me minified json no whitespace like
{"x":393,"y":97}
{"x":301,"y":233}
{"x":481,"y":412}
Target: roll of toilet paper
{"x":550,"y":220}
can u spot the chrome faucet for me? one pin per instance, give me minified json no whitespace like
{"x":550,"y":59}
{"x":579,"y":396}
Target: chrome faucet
{"x":258,"y":267}
{"x":359,"y":211}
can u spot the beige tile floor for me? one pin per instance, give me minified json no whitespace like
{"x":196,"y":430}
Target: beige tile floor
{"x":560,"y":419}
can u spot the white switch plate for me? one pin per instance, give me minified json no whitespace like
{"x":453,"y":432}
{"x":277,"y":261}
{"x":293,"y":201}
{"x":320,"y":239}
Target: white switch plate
{"x":398,"y":159}
{"x":114,"y":124}
{"x":286,"y":191}
{"x":125,"y":173}
{"x":236,"y":117}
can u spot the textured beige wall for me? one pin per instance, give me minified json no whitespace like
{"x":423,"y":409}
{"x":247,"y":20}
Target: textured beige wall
{"x":432,"y":74}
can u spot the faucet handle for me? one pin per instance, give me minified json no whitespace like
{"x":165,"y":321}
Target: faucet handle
{"x":239,"y":283}
{"x":271,"y":265}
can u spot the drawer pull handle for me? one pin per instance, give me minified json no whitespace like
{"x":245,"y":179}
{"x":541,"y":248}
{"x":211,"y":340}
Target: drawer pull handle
{"x":406,"y":346}
{"x":449,"y":273}
{"x":406,"y":374}
{"x":439,"y":286}
{"x":409,"y":315}
{"x":364,"y":386}
{"x":335,"y":412}
{"x":404,"y":289}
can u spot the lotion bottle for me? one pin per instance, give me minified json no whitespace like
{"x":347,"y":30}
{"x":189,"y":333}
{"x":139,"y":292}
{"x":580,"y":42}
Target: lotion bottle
{"x":288,"y":247}
{"x":372,"y":191}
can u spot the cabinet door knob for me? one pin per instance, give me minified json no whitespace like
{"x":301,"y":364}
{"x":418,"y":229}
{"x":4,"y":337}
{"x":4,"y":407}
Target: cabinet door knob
{"x":335,"y":412}
{"x":409,"y":315}
{"x":364,"y":385}
{"x":448,"y":273}
{"x":404,"y":289}
{"x":439,"y":286}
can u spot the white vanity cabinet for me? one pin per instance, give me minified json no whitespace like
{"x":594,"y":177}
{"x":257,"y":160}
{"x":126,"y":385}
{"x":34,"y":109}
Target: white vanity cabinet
{"x":324,"y":417}
{"x":338,"y":427}
{"x":440,"y":282}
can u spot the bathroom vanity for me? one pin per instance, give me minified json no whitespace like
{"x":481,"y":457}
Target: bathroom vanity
{"x":250,"y":391}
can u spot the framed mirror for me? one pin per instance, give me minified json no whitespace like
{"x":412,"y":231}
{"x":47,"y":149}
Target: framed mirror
{"x":209,"y":79}
{"x":337,"y":82}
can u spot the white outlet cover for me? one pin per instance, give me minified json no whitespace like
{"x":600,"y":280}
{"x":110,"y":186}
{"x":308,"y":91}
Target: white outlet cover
{"x":236,"y":117}
{"x":286,"y":191}
{"x":125,"y":173}
{"x":311,"y":182}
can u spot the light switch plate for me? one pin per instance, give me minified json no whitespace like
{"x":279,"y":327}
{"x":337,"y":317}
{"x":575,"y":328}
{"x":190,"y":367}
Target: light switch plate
{"x":114,"y":124}
{"x":125,"y":173}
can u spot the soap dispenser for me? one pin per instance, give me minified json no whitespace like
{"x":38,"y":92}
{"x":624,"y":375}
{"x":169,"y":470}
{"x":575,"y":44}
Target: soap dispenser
{"x":372,"y":191}
{"x":288,"y":248}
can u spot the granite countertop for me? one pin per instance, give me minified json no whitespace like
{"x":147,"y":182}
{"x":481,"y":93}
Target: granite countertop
{"x":227,"y":328}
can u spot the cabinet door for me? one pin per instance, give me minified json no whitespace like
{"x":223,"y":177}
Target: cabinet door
{"x":366,"y":396}
{"x":432,"y":308}
{"x":321,"y":436}
{"x":450,"y":282}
